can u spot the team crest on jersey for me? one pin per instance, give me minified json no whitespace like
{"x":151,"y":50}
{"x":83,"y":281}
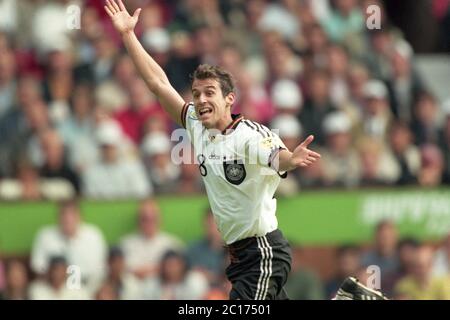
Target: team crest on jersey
{"x":234,"y":171}
{"x":192,"y":114}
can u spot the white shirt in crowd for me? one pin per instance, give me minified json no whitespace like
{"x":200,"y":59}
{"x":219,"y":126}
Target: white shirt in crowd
{"x":41,"y":290}
{"x":87,"y":250}
{"x":194,"y":287}
{"x":123,"y":179}
{"x":141,"y":251}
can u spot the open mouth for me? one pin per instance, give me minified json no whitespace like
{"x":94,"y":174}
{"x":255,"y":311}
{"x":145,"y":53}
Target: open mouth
{"x":204,"y":111}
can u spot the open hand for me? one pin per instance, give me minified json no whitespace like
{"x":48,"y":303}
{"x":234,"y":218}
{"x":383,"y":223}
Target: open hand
{"x":120,"y":17}
{"x":302,"y":156}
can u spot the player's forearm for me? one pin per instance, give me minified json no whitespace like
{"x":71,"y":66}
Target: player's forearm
{"x":283,"y":161}
{"x":150,"y":71}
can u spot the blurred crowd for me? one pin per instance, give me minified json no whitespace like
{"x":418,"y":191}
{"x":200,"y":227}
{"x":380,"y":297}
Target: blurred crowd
{"x":71,"y":260}
{"x":76,"y":118}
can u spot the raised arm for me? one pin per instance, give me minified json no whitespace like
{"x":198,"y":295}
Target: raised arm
{"x":300,"y":157}
{"x":153,"y":75}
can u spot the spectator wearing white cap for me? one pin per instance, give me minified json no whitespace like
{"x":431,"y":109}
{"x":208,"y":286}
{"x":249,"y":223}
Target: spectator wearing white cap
{"x":163,"y":174}
{"x":340,"y":162}
{"x":157,"y":42}
{"x":404,"y":83}
{"x":114,"y":175}
{"x":376,"y":114}
{"x":287,"y":97}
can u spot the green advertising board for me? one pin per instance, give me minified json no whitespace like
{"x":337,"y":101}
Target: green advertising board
{"x":311,"y":218}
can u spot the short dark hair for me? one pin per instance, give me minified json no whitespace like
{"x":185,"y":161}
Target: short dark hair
{"x":225,"y":79}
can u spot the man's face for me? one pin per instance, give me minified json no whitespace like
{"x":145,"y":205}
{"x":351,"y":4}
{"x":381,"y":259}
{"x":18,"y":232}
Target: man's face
{"x":69,"y":220}
{"x":210,"y":104}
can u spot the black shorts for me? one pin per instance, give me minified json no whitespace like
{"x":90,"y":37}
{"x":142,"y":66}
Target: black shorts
{"x":259,"y":267}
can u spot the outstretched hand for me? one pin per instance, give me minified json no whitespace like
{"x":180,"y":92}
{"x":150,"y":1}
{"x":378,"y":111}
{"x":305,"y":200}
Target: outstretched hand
{"x":120,"y":17}
{"x":302,"y":156}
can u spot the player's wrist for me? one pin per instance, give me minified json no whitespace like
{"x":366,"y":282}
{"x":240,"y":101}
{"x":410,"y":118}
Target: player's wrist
{"x":127,"y":33}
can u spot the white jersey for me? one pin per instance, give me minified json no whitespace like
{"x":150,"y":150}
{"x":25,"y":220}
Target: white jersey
{"x":236,"y":169}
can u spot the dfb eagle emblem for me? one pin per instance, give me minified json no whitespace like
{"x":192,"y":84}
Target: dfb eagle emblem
{"x":234,"y":171}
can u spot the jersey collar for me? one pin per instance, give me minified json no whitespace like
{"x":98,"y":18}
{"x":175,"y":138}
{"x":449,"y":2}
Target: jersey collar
{"x":237,"y":118}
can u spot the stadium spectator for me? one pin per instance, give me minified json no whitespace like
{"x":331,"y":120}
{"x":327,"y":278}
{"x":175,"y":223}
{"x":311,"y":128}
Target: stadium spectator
{"x":348,"y":262}
{"x":338,"y":66}
{"x":441,"y":260}
{"x":378,"y":165}
{"x":144,"y":249}
{"x":175,"y":280}
{"x":26,"y":185}
{"x":345,"y":21}
{"x":253,"y":102}
{"x":115,"y":175}
{"x":161,"y":171}
{"x":384,"y":251}
{"x":376,"y":116}
{"x":8,"y":81}
{"x":317,"y":104}
{"x":82,"y":244}
{"x":54,"y":286}
{"x":143,"y":106}
{"x":340,"y":163}
{"x":405,"y":83}
{"x":118,"y":280}
{"x":420,"y":284}
{"x":107,"y":291}
{"x":207,"y":255}
{"x":426,"y":119}
{"x":55,"y":164}
{"x":432,"y":166}
{"x":287,"y":97}
{"x":79,"y":121}
{"x":16,"y":281}
{"x":406,"y":251}
{"x":405,"y":152}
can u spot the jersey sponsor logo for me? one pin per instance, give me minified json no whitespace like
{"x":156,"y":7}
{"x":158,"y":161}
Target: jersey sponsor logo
{"x":213,"y":157}
{"x":234,"y":171}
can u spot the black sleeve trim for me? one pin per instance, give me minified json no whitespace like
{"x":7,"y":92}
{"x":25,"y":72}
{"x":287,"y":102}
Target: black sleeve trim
{"x":183,"y":113}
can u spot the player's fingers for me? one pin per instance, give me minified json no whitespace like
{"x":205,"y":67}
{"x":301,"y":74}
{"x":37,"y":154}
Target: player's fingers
{"x":137,"y":13}
{"x":307,"y":141}
{"x":314,"y":154}
{"x":121,"y":5}
{"x":311,"y":159}
{"x":109,"y":12}
{"x":110,"y":7}
{"x":114,"y":4}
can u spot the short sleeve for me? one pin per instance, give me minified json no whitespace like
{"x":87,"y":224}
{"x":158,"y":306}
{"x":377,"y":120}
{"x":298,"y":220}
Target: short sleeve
{"x":264,"y":146}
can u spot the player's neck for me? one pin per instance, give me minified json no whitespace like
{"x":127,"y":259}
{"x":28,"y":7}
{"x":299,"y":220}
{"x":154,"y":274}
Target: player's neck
{"x":224,"y":123}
